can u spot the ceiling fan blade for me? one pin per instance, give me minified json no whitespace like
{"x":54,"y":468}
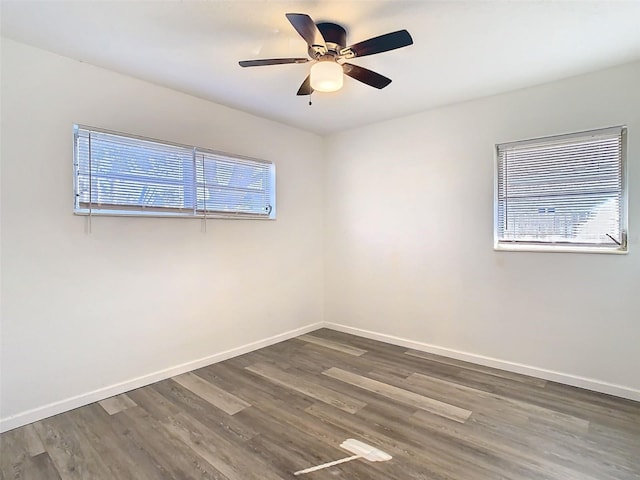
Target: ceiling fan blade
{"x":271,"y":61}
{"x":366,"y":76}
{"x":383,"y":43}
{"x":305,"y":88}
{"x":307,"y":29}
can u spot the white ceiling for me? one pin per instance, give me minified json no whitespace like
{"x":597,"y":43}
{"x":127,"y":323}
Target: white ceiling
{"x":462,"y":49}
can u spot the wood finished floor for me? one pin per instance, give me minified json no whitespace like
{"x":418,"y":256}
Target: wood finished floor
{"x":268,"y":413}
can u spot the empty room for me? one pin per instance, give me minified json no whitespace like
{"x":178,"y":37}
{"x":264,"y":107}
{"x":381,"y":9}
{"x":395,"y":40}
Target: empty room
{"x":267,"y":240}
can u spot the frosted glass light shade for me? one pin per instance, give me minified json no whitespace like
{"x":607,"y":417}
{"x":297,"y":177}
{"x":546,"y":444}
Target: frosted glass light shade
{"x":326,"y":76}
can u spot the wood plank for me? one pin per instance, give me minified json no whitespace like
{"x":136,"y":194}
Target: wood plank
{"x":300,"y":384}
{"x":177,"y":399}
{"x":172,"y":456}
{"x":567,"y":404}
{"x":412,"y":364}
{"x":69,"y":450}
{"x":117,"y":404}
{"x":517,"y":454}
{"x":33,"y":443}
{"x":213,"y":394}
{"x":371,"y":346}
{"x":608,"y":404}
{"x":123,"y":459}
{"x":217,"y":447}
{"x":44,"y":468}
{"x":471,"y":396}
{"x":339,"y":347}
{"x":538,"y":382}
{"x":400,"y":395}
{"x":244,"y":384}
{"x":16,"y":460}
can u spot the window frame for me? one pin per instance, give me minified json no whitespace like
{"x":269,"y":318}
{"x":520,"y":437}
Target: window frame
{"x":559,"y":247}
{"x":139,"y":210}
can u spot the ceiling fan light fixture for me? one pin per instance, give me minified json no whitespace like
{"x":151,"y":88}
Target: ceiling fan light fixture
{"x":326,"y":76}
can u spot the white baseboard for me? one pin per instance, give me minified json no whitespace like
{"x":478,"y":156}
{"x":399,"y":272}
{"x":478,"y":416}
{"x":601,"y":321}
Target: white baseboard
{"x":67,"y":404}
{"x":565,"y":378}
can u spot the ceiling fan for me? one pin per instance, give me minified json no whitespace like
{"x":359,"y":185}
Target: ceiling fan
{"x":327,"y":50}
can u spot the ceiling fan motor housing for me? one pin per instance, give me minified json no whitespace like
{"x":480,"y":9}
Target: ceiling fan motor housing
{"x":334,"y":35}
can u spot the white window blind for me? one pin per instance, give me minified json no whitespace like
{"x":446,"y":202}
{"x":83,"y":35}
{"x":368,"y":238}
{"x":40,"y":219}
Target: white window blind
{"x":563,"y":192}
{"x":117,"y":174}
{"x":232,"y":185}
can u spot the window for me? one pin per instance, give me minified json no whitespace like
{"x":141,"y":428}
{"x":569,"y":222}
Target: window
{"x":117,"y":174}
{"x":564,"y":193}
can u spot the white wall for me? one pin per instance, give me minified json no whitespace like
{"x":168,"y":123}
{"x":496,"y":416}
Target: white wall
{"x":81,"y":312}
{"x":409,"y":239}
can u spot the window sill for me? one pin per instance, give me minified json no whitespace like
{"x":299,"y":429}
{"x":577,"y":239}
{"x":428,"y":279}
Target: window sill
{"x":213,"y":216}
{"x":559,"y":249}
